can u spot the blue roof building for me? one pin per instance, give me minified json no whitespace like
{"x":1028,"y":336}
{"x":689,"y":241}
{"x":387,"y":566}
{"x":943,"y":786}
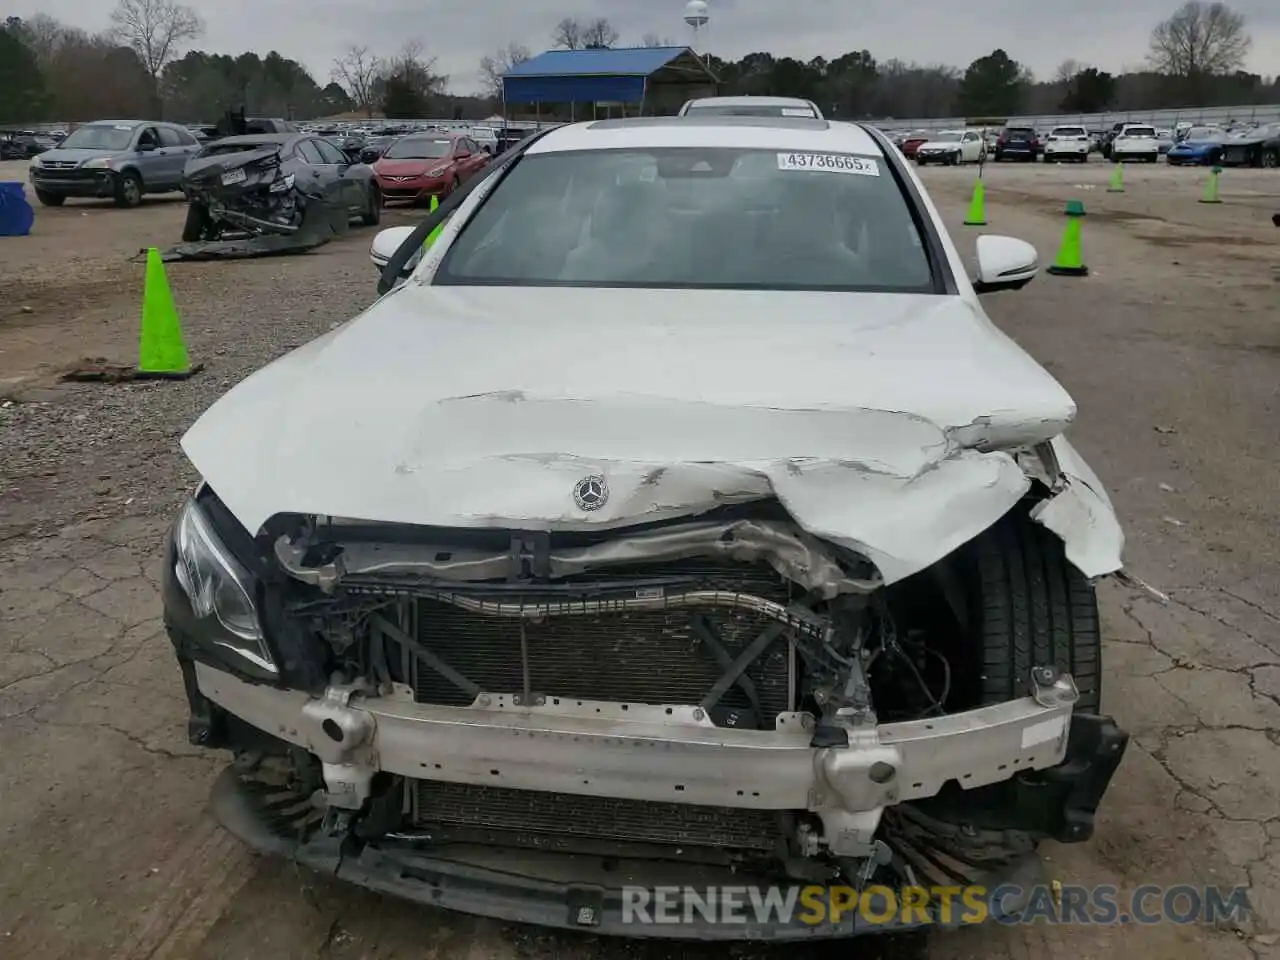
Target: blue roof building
{"x":654,"y":77}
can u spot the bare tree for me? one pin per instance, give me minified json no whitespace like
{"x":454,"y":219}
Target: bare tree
{"x":495,"y":65}
{"x":569,"y":34}
{"x":1067,"y":71}
{"x":358,"y":71}
{"x":155,"y":30}
{"x":1199,"y":40}
{"x":599,"y":33}
{"x":653,"y":40}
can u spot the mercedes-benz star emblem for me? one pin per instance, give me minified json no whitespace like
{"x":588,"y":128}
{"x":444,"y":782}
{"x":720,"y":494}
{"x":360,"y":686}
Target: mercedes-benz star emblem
{"x":591,"y":493}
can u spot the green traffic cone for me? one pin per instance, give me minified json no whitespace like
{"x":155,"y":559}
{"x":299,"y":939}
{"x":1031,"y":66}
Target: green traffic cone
{"x":977,"y":206}
{"x":161,"y":351}
{"x":1211,"y":186}
{"x":1070,"y":261}
{"x":431,"y":237}
{"x":1117,"y":180}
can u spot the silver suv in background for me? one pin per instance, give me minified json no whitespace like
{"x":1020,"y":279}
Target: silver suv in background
{"x":121,"y":159}
{"x":752,"y":107}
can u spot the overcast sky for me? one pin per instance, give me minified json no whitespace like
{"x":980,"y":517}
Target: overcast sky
{"x":1111,"y":34}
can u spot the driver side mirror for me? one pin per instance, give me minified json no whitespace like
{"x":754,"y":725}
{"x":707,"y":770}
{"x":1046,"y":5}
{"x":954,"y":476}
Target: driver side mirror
{"x":386,"y":243}
{"x":1004,"y":263}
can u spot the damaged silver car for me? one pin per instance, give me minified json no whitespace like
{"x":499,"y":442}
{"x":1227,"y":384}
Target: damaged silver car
{"x":677,"y":517}
{"x":275,"y":187}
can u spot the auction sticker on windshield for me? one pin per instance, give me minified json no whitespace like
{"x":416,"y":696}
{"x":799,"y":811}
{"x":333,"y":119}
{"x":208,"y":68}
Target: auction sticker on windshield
{"x":829,"y":163}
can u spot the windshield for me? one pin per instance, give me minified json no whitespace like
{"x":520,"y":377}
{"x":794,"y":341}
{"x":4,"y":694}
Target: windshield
{"x":418,"y":148}
{"x":1203,"y":133}
{"x":945,"y":137}
{"x":752,"y":110}
{"x":695,"y":217}
{"x":99,"y":136}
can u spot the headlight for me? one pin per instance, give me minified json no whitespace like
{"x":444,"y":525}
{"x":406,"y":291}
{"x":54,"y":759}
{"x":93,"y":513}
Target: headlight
{"x":97,"y":163}
{"x":218,"y":586}
{"x":437,"y":172}
{"x":283,"y":184}
{"x":37,"y":163}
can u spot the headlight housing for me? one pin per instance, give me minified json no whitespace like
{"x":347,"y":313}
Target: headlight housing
{"x":437,"y":172}
{"x":36,"y":162}
{"x":97,"y":163}
{"x":218,"y":587}
{"x":283,"y":184}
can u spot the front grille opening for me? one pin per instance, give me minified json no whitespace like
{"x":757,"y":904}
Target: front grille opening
{"x":534,"y":813}
{"x":633,"y":657}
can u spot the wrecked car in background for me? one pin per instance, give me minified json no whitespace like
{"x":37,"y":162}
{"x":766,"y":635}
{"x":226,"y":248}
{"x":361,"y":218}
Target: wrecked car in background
{"x":282,"y":185}
{"x":682,"y":518}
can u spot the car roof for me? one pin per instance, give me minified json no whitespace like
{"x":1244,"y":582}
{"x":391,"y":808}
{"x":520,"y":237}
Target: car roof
{"x":117,"y":123}
{"x":746,"y":133}
{"x":752,"y":101}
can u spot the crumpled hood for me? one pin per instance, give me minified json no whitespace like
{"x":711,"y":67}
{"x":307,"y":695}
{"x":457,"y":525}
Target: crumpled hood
{"x":876,"y":420}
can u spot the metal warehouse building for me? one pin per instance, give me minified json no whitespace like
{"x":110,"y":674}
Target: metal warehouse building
{"x":630,"y":81}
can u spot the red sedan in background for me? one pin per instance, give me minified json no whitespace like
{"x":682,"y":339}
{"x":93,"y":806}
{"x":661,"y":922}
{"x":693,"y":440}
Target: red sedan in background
{"x":421,"y":166}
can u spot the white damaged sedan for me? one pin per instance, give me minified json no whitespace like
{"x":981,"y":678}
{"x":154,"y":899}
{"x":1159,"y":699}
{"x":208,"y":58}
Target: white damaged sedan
{"x":677,"y":518}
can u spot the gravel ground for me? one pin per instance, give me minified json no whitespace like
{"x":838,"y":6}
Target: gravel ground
{"x":1170,"y":346}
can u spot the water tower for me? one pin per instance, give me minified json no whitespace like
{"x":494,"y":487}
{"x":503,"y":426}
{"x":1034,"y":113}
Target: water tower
{"x":697,"y":15}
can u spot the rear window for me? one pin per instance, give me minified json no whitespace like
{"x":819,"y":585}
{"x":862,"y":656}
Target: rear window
{"x":220,"y":147}
{"x":1068,"y":132}
{"x":752,"y":110}
{"x":1022,"y":132}
{"x":1140,"y":131}
{"x":712,"y":218}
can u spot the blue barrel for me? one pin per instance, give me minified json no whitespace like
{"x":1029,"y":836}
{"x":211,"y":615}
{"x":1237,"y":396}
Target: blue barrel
{"x":16,"y":215}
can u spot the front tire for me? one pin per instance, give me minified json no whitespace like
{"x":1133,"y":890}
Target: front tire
{"x":197,"y":226}
{"x":1028,"y":607}
{"x":128,"y":189}
{"x":1271,"y":159}
{"x":50,"y":199}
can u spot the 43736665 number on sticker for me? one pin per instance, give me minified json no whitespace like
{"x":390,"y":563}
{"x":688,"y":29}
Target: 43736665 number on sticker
{"x":829,"y":163}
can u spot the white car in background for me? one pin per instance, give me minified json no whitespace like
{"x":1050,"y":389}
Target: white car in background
{"x":1067,"y":143}
{"x":1136,"y":141}
{"x":752,"y":107}
{"x":952,"y":147}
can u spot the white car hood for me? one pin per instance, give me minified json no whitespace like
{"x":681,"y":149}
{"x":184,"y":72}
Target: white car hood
{"x":876,"y":420}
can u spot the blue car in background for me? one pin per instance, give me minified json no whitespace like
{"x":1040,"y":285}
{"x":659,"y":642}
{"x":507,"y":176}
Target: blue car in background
{"x":1202,"y":146}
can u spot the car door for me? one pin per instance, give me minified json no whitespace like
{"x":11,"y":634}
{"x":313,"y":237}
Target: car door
{"x":171,"y":156}
{"x":970,"y":147}
{"x":148,"y":158}
{"x":350,"y":187}
{"x":319,"y":175}
{"x":479,"y":156}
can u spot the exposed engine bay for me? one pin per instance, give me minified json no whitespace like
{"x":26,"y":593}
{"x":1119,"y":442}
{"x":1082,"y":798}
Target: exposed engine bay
{"x":779,"y":662}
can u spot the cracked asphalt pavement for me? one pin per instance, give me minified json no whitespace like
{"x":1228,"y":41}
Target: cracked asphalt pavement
{"x":1170,"y":347}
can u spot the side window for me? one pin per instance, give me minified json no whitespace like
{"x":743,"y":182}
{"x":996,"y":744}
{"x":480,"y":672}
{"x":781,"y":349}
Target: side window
{"x":329,"y":152}
{"x":149,"y":135}
{"x":169,"y":137}
{"x":309,"y":152}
